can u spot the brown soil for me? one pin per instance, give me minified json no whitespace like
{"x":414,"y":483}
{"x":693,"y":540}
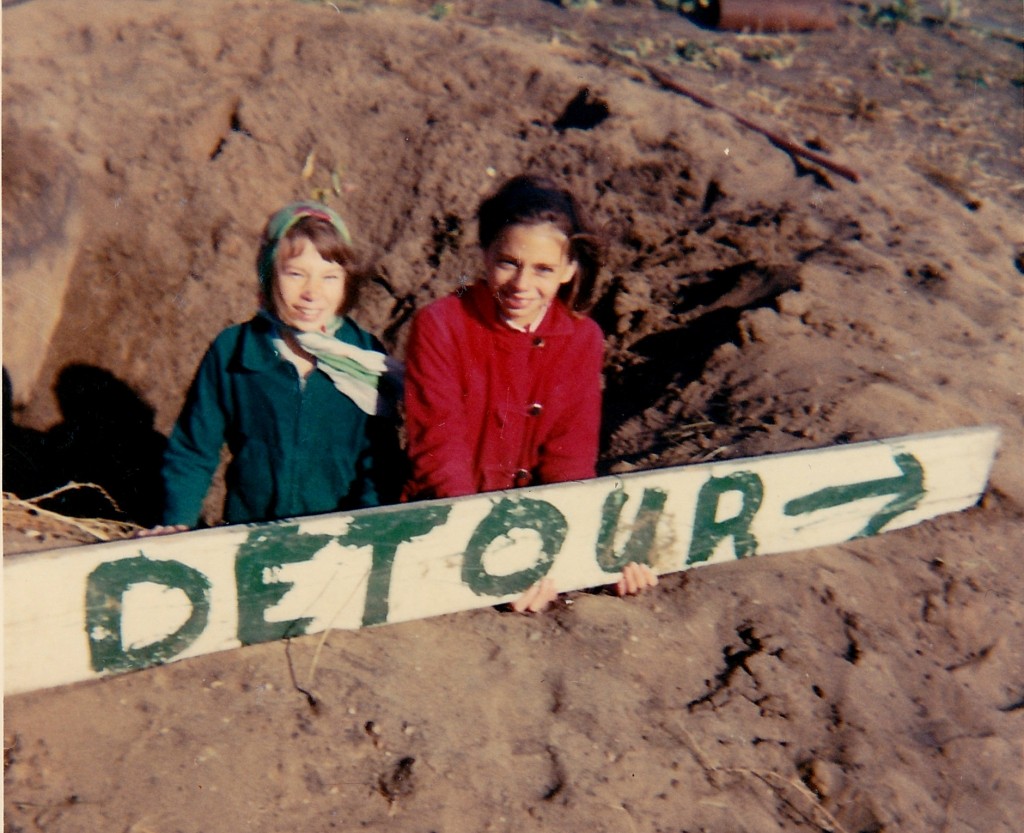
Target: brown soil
{"x":752,"y":304}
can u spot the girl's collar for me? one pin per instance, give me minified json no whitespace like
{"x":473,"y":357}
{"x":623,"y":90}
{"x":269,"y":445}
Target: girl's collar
{"x":532,"y":327}
{"x":555,"y":321}
{"x":332,"y":327}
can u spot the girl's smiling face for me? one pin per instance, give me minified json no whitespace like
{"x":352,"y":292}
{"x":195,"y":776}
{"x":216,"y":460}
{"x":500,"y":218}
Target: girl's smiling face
{"x":308,"y":290}
{"x":525,"y":267}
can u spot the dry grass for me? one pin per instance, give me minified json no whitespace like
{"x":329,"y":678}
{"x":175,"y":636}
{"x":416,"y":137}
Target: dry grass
{"x":29,"y":518}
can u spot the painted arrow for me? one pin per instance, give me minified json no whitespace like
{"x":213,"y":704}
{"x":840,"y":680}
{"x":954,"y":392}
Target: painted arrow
{"x":907,"y":488}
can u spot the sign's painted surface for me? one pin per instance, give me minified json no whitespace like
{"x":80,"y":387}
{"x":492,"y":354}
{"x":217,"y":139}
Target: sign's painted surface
{"x":80,"y":613}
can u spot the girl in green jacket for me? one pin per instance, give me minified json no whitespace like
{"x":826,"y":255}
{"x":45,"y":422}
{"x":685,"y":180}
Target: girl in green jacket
{"x":303,"y":398}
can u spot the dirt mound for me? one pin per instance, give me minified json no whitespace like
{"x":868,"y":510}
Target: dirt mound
{"x":752,"y":303}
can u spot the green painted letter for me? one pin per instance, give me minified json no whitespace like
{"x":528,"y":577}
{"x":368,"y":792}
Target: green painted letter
{"x":707,"y":531}
{"x":641,"y":537}
{"x":104,"y":597}
{"x":266,"y":549}
{"x":507,"y":515}
{"x":385,"y":532}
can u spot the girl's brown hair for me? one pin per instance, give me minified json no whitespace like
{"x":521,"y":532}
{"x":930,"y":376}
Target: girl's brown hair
{"x":530,"y":200}
{"x":329,"y":245}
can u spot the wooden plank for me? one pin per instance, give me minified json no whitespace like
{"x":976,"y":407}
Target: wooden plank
{"x":82,"y":613}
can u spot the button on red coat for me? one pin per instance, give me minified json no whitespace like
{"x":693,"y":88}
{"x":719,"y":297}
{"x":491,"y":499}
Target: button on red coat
{"x":521,"y":478}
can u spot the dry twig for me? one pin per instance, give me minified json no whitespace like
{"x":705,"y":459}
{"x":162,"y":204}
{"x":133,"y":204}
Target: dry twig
{"x":813,"y":813}
{"x":783,"y":143}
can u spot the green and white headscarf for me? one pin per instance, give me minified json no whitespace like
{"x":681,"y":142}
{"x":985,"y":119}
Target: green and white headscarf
{"x":372,"y":380}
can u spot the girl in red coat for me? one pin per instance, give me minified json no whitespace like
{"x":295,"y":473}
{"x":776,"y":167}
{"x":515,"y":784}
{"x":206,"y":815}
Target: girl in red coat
{"x":503,"y":384}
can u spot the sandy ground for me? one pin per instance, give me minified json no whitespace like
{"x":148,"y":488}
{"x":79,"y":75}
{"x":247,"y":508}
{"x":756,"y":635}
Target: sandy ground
{"x":751,"y":304}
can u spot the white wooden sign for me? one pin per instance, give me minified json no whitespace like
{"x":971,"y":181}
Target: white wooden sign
{"x":84,"y":612}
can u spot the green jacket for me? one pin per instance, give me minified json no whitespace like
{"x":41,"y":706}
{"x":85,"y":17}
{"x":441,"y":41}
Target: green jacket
{"x":295,"y":449}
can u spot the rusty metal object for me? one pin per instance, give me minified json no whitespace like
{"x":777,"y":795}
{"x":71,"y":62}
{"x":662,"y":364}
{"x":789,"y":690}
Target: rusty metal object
{"x":765,"y":15}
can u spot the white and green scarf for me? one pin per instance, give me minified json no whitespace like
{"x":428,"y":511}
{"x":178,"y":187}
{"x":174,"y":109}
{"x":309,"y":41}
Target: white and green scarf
{"x":372,"y":380}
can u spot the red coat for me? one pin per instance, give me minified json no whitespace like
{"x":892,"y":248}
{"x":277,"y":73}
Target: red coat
{"x":489,"y":407}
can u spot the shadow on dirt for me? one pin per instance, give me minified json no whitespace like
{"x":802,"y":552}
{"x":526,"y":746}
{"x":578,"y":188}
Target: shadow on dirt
{"x":106,"y":438}
{"x":706,"y":314}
